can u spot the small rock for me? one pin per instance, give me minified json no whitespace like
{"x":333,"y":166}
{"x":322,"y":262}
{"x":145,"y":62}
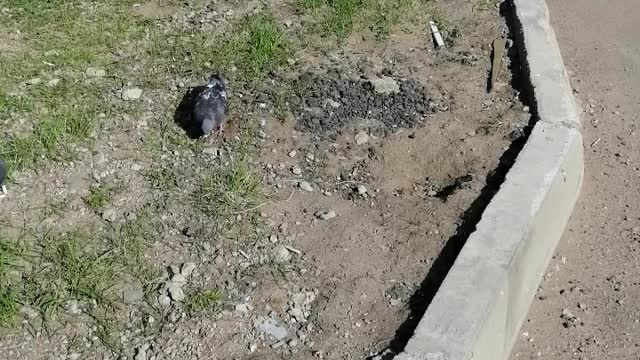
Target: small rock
{"x":73,"y":307}
{"x":53,"y":82}
{"x":273,"y":238}
{"x":176,"y":292}
{"x":164,"y":300}
{"x":432,"y":193}
{"x":74,"y":356}
{"x":311,"y":157}
{"x":271,"y":327}
{"x":291,"y":61}
{"x":219,"y":260}
{"x":110,"y":215}
{"x":325,"y":214}
{"x":187,"y":268}
{"x":296,"y":170}
{"x":136,"y":167}
{"x":93,"y":72}
{"x":131,"y":94}
{"x":362,"y":189}
{"x":334,"y":104}
{"x":242,"y":309}
{"x":567,"y":315}
{"x":212,"y":151}
{"x":281,"y":255}
{"x":292,"y":153}
{"x":385,"y":85}
{"x":253,"y":346}
{"x":293,"y":343}
{"x":305,"y":186}
{"x":362,"y":138}
{"x":141,"y":354}
{"x":34,"y":81}
{"x":178,"y":279}
{"x":277,"y":345}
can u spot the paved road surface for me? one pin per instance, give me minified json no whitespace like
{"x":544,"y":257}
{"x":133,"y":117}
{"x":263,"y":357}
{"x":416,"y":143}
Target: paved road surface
{"x":595,"y":274}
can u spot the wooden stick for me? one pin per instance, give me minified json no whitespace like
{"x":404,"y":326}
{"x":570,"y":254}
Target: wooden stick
{"x":498,"y":52}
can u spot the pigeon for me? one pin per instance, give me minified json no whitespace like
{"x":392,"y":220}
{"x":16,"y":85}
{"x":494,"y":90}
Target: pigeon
{"x":3,"y":176}
{"x":210,"y":106}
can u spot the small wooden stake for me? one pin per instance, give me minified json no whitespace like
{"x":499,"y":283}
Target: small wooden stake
{"x":498,"y":52}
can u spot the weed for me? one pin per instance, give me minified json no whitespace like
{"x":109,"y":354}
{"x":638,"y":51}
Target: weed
{"x":229,"y":191}
{"x":99,"y":197}
{"x":204,"y":302}
{"x":162,"y":178}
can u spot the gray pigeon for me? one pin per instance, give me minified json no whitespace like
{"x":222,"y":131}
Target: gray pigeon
{"x":3,"y":176}
{"x":210,"y":107}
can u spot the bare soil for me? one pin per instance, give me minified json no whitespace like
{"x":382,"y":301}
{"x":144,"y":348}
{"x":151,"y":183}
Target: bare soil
{"x":357,"y":247}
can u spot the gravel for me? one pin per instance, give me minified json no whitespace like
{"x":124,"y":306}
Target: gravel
{"x":359,"y":100}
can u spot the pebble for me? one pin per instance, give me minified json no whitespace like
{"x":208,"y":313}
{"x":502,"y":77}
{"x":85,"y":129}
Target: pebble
{"x":142,"y":353}
{"x":74,"y":356}
{"x":277,"y":345}
{"x":385,"y":85}
{"x":187,"y":268}
{"x":292,"y":153}
{"x":293,"y":343}
{"x":34,"y":81}
{"x":271,"y":327}
{"x":432,"y":193}
{"x":164,"y":300}
{"x":131,"y":94}
{"x":178,"y":279}
{"x":280,"y":254}
{"x":242,"y":308}
{"x":253,"y":346}
{"x":93,"y":72}
{"x":176,"y":292}
{"x":362,"y":138}
{"x":53,"y":82}
{"x":296,"y":170}
{"x":325,"y":214}
{"x":136,"y":167}
{"x":109,"y":215}
{"x":362,"y":189}
{"x":305,"y":186}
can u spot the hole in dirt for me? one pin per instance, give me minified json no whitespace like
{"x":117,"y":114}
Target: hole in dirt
{"x":329,"y":103}
{"x":421,"y":299}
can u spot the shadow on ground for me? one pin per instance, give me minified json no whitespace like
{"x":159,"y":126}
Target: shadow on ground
{"x":183,"y":114}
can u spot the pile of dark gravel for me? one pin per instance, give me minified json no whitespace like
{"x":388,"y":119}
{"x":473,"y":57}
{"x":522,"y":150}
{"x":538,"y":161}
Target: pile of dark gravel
{"x":329,"y":103}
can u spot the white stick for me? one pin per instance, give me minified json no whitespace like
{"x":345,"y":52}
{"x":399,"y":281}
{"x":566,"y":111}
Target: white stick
{"x":244,"y":254}
{"x":293,"y":250}
{"x":436,"y":35}
{"x":596,"y":142}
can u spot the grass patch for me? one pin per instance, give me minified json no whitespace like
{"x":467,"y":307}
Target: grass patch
{"x":229,"y":191}
{"x":204,"y":302}
{"x":340,"y":18}
{"x":99,"y":197}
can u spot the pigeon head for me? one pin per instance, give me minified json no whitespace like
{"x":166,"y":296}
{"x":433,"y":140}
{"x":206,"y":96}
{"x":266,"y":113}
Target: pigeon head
{"x":217,"y":79}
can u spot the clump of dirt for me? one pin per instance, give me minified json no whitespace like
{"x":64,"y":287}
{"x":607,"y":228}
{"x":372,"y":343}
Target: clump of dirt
{"x":331,"y":102}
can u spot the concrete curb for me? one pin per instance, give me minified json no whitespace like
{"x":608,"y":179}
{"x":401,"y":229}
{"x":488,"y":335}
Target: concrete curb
{"x":482,"y":303}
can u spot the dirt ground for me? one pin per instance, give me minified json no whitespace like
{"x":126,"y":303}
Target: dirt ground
{"x":303,"y":232}
{"x":587,"y":305}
